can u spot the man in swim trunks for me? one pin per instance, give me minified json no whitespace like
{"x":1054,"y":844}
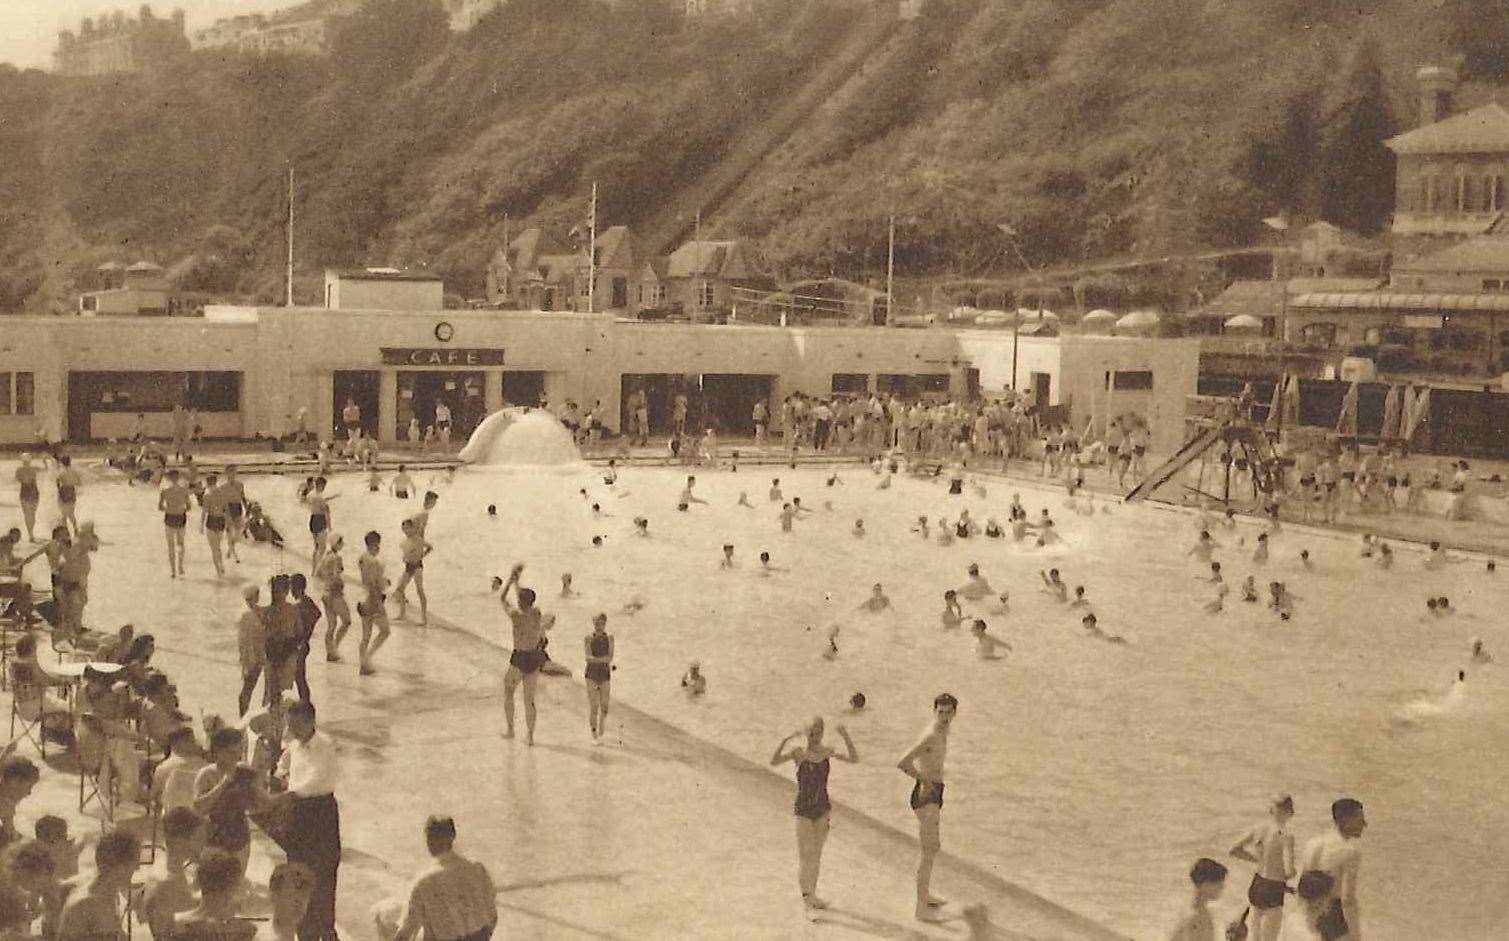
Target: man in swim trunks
{"x":174,"y":501}
{"x":1271,"y":846}
{"x":213,"y":517}
{"x":1338,"y":855}
{"x":924,"y":765}
{"x":373,"y":609}
{"x":235,"y":510}
{"x":529,"y":627}
{"x":68,"y":482}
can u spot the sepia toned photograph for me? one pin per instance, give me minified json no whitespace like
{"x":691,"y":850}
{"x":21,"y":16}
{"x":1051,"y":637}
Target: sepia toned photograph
{"x":831,"y":470}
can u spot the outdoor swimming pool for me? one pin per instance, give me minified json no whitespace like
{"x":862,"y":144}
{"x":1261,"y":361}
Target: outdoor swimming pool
{"x":1088,"y":772}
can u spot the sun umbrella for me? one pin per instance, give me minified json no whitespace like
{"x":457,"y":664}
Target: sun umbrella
{"x":1027,"y":313}
{"x":994,"y":317}
{"x":1138,"y":321}
{"x":1243,"y":323}
{"x":1276,"y":407}
{"x":1098,"y":321}
{"x":1346,"y":419}
{"x":1419,"y":414}
{"x":1390,"y":413}
{"x":1291,"y":403}
{"x":1406,"y":405}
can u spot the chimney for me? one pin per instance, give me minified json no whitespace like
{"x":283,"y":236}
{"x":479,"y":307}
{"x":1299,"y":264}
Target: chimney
{"x":1436,"y":83}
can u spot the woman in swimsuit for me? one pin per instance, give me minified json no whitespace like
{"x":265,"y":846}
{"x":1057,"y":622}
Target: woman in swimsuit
{"x":26,"y":478}
{"x":599,"y":649}
{"x":319,"y":517}
{"x":813,"y":809}
{"x":331,"y":573}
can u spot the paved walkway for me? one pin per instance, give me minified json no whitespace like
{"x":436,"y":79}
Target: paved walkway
{"x":655,"y":834}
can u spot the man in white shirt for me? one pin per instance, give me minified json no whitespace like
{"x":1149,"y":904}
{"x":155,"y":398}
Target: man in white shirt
{"x":454,"y":898}
{"x":313,"y":832}
{"x":173,"y":781}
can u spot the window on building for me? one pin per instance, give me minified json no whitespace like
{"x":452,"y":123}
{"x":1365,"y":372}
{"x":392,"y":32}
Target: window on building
{"x":1461,"y":189}
{"x":1318,"y":334}
{"x":705,"y":294}
{"x":1493,"y":192}
{"x":1135,"y":380}
{"x":17,"y":393}
{"x":1493,"y":284}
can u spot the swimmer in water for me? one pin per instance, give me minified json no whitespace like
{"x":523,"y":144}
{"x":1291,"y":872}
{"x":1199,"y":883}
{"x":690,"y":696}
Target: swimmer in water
{"x":1092,"y":628}
{"x":1369,"y":545}
{"x":987,"y":645}
{"x":727,"y":562}
{"x":775,"y":491}
{"x":642,"y":527}
{"x":635,"y":604}
{"x":766,"y":569}
{"x":1431,"y":609}
{"x":693,"y":681}
{"x":1054,"y":585}
{"x":1003,"y":603}
{"x":1280,"y":600}
{"x":566,"y":590}
{"x":1217,"y":604}
{"x":953,"y":614}
{"x":877,"y":602}
{"x":977,"y":588}
{"x":859,"y":529}
{"x":796,"y":504}
{"x":923,"y":527}
{"x":492,"y":511}
{"x":1047,"y":535}
{"x":687,"y":498}
{"x":945,"y":535}
{"x":1480,"y":654}
{"x":1260,"y":554}
{"x":1249,"y":589}
{"x":787,"y":516}
{"x":744,"y":499}
{"x":1203,"y":547}
{"x":885,"y":483}
{"x":993,"y":529}
{"x":830,"y":652}
{"x":857,"y":702}
{"x":1304,"y":559}
{"x":1385,"y":556}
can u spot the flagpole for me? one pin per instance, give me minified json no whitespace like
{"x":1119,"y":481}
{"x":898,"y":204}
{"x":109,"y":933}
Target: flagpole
{"x":289,"y":299}
{"x":890,"y":271}
{"x":592,"y":253}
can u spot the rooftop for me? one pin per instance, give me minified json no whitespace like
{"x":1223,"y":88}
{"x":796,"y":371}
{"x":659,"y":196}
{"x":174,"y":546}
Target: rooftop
{"x":1483,"y":130}
{"x":381,"y":274}
{"x":1485,"y":253}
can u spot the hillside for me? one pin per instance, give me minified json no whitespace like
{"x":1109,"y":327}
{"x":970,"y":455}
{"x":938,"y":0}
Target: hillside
{"x":1092,"y":128}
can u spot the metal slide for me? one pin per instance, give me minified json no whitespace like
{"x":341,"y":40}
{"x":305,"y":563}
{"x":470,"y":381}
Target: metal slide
{"x":1185,"y":456}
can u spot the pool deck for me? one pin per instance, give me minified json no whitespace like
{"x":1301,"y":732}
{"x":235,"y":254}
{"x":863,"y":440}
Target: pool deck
{"x":655,"y":834}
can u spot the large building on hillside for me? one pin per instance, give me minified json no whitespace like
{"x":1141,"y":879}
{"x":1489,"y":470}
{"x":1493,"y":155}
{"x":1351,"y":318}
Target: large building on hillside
{"x":114,"y":43}
{"x":300,"y":30}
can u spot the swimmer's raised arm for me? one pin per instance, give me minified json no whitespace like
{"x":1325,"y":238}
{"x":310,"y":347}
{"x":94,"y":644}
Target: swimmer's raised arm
{"x":852,"y":757}
{"x":782,"y":754}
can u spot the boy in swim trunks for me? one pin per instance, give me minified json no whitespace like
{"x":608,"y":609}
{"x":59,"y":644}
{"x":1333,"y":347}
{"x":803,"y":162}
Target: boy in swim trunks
{"x":373,"y":609}
{"x":1338,"y":856}
{"x":68,"y":482}
{"x":1209,"y":878}
{"x":924,"y":765}
{"x":235,"y":510}
{"x":1271,"y":846}
{"x":402,"y":484}
{"x":174,"y":502}
{"x":414,"y":550}
{"x":213,"y":517}
{"x":528,"y":656}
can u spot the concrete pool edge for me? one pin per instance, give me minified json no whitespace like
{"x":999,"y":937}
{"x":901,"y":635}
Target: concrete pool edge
{"x":1035,"y":913}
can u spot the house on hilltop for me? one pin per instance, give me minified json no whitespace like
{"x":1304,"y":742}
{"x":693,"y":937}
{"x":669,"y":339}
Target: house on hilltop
{"x":115,"y":43}
{"x":701,"y":278}
{"x":536,"y":271}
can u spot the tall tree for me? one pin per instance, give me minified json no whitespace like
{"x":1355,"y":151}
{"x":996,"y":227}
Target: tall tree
{"x":1355,"y":172}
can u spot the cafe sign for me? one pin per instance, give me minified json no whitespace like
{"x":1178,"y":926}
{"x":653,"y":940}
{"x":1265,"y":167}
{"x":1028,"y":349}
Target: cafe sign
{"x":440,"y":356}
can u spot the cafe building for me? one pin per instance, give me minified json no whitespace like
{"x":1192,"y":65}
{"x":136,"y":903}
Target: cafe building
{"x":249,"y":371}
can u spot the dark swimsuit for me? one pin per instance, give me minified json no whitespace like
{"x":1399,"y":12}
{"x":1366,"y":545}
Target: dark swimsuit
{"x":413,"y":567}
{"x":214,"y":522}
{"x":1266,"y":893}
{"x":66,"y":494}
{"x":401,"y":494}
{"x":233,"y":510}
{"x":175,"y":520}
{"x":599,"y":672}
{"x":30,"y":493}
{"x":1333,"y":924}
{"x":317,"y":523}
{"x":955,"y":487}
{"x":933,"y":795}
{"x":527,"y":661}
{"x":812,"y":789}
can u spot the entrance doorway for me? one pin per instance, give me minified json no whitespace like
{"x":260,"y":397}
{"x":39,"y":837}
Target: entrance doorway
{"x":660,"y":391}
{"x":728,"y":401}
{"x":856,"y":383}
{"x":1042,"y":385}
{"x":420,"y":391}
{"x":359,"y":386}
{"x":523,"y":388}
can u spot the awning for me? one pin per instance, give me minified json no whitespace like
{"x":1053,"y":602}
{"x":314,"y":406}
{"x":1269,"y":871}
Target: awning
{"x":1392,"y":300}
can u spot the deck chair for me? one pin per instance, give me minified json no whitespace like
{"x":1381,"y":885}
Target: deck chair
{"x":27,"y":706}
{"x":99,"y":779}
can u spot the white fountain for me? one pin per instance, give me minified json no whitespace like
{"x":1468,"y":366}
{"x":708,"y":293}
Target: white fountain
{"x":519,"y":439}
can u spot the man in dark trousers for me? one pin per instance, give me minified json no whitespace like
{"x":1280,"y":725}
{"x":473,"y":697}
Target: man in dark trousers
{"x":311,"y":833}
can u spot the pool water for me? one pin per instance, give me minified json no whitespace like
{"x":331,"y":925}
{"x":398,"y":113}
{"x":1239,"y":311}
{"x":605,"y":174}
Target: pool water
{"x":1088,"y":772}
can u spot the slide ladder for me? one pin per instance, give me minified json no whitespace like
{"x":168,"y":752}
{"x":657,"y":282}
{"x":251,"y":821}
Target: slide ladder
{"x":1191,"y":451}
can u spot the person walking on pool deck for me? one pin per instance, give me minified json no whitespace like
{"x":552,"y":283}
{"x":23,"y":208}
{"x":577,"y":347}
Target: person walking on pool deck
{"x":68,"y":482}
{"x":1338,"y":856}
{"x":452,"y":900}
{"x":213,"y":510}
{"x":528,"y":656}
{"x":600,"y":650}
{"x":174,"y":501}
{"x":373,"y":609}
{"x":414,"y":549}
{"x":1271,"y":846}
{"x":319,"y":518}
{"x":924,"y":764}
{"x":30,"y":497}
{"x":310,"y":768}
{"x":813,"y":808}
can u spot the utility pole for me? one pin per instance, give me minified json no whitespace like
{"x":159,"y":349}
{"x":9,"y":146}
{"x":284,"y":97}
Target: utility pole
{"x":890,"y":272}
{"x":289,"y":300}
{"x":697,"y":227}
{"x":592,"y":252}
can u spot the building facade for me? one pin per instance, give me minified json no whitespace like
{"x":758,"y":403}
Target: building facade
{"x":248,"y":371}
{"x":383,"y":289}
{"x":111,"y":44}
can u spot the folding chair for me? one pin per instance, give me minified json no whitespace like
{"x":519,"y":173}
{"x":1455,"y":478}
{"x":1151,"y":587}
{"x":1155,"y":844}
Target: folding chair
{"x":27,"y":706}
{"x":95,"y":786}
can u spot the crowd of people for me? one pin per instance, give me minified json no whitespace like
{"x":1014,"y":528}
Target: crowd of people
{"x":273,"y":768}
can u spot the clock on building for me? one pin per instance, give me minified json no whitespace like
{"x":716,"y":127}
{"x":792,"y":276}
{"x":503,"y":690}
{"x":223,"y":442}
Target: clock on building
{"x":444,"y":331}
